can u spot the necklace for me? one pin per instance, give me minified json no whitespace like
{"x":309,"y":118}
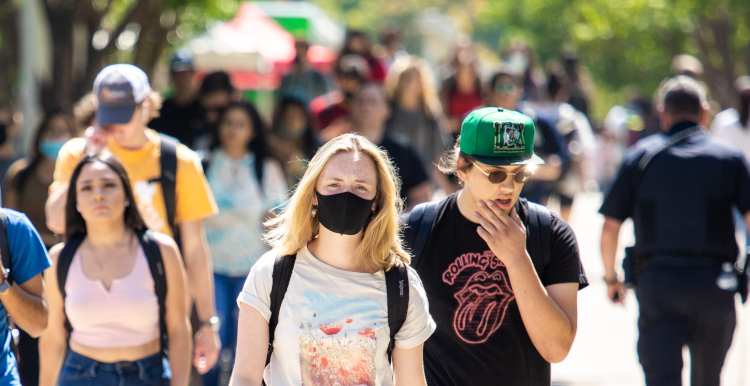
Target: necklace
{"x":100,"y":263}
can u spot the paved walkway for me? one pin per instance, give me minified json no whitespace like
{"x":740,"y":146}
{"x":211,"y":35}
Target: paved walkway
{"x":604,"y":351}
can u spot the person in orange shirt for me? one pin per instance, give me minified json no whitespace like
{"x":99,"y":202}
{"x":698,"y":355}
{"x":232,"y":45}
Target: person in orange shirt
{"x":126,"y":104}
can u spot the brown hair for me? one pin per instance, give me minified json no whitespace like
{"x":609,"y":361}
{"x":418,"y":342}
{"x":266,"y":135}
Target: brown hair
{"x":449,"y":161}
{"x":75,"y":225}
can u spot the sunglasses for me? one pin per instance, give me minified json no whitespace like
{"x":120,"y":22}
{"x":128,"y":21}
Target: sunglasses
{"x":499,"y":176}
{"x":505,"y":88}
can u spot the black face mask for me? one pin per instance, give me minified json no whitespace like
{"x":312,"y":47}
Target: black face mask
{"x":343,"y":213}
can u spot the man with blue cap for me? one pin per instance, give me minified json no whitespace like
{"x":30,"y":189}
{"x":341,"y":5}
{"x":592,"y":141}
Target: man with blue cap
{"x":167,"y":179}
{"x":501,"y":273}
{"x":181,"y":115}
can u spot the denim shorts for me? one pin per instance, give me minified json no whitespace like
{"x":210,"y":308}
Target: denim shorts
{"x":79,"y":370}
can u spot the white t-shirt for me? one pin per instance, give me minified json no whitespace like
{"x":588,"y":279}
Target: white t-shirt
{"x":727,"y":126}
{"x":333,"y":324}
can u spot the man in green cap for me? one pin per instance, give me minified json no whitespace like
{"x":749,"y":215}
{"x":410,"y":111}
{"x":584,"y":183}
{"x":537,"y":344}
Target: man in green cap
{"x":501,"y":273}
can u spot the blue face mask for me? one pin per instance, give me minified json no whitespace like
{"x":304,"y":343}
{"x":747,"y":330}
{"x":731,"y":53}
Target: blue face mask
{"x":50,"y":148}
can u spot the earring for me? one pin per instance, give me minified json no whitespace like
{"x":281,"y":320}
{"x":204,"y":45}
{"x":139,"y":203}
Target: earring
{"x":127,"y":203}
{"x":314,"y":212}
{"x":78,"y":208}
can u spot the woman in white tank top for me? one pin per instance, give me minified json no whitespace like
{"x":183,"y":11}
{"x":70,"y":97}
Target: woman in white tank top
{"x":110,"y":299}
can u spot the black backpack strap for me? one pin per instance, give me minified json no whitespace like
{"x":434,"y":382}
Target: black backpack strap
{"x":168,"y":178}
{"x":418,"y":228}
{"x":397,"y":288}
{"x":63,"y":266}
{"x":540,"y":235}
{"x":282,"y":273}
{"x":4,"y":245}
{"x":156,"y":266}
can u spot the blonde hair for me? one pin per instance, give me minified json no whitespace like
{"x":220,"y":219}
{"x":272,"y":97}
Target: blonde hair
{"x":394,"y":83}
{"x":154,"y":101}
{"x":381,"y":246}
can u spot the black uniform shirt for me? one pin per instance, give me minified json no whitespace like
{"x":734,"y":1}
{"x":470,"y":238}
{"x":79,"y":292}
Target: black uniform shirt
{"x":682,"y":202}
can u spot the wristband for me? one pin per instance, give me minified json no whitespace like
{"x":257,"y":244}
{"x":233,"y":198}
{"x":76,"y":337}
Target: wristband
{"x":213,"y":323}
{"x":614,"y":280}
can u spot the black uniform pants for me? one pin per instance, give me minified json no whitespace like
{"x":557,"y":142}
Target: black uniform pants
{"x":682,"y":305}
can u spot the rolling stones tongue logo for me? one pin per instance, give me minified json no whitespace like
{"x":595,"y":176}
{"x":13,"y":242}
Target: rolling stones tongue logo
{"x":483,"y":299}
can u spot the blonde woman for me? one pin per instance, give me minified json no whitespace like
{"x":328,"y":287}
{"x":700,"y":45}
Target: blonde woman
{"x":416,"y":115}
{"x":342,"y":225}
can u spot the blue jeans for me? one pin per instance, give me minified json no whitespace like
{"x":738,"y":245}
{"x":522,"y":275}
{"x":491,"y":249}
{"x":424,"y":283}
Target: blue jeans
{"x":228,"y":288}
{"x":79,"y":370}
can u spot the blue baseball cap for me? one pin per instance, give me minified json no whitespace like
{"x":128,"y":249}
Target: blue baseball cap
{"x":119,"y":89}
{"x":181,"y":60}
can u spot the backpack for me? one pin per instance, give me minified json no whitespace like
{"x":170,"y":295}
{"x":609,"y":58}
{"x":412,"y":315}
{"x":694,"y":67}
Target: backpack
{"x":422,"y":218}
{"x":4,"y":245}
{"x":155,"y":265}
{"x":397,"y":289}
{"x":168,"y":179}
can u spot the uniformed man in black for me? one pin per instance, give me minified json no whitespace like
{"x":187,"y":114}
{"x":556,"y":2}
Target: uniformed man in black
{"x":679,"y":187}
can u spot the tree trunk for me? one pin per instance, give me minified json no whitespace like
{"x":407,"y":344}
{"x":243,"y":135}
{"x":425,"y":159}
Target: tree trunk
{"x":710,"y":73}
{"x":720,"y":29}
{"x":8,"y":48}
{"x":59,"y":93}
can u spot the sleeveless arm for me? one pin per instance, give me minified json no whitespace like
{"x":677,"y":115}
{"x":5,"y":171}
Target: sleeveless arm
{"x":52,"y":343}
{"x":178,"y":325}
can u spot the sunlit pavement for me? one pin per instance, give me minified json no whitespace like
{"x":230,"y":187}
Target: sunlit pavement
{"x":604,"y":352}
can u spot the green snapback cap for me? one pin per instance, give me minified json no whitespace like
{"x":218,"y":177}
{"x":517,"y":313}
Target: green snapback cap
{"x":495,"y":136}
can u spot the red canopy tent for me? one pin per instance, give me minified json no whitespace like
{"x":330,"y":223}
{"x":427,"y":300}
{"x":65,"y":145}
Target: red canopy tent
{"x":253,"y":49}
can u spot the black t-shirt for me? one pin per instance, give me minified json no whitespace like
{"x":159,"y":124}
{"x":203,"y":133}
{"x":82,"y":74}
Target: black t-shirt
{"x":185,"y":123}
{"x":480,"y":337}
{"x":407,"y":163}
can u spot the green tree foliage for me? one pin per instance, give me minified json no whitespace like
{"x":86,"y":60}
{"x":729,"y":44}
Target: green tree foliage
{"x":622,"y":42}
{"x":87,"y":35}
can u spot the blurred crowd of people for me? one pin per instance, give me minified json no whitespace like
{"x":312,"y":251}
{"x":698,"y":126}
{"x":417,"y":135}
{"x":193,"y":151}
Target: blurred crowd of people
{"x":392,"y":98}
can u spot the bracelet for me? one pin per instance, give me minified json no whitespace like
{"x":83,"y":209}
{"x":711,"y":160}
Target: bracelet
{"x":614,"y":280}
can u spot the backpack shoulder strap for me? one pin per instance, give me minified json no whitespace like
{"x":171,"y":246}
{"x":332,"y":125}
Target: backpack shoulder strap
{"x":4,"y":245}
{"x":63,"y":266}
{"x":168,"y":177}
{"x":540,"y":234}
{"x":419,"y":227}
{"x":397,"y":289}
{"x":64,"y":260}
{"x":282,"y":274}
{"x":156,"y":266}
